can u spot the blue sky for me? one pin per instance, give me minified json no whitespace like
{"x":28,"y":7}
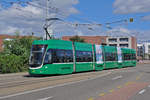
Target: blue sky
{"x":16,"y":16}
{"x":6,"y":3}
{"x":101,"y":11}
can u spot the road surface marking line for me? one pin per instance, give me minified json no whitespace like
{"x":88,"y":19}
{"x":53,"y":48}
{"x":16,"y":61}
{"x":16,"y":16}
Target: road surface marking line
{"x":142,"y":91}
{"x":137,"y":78}
{"x":119,"y":86}
{"x":112,"y":90}
{"x":118,"y":77}
{"x":90,"y":99}
{"x":128,"y":83}
{"x":46,"y":98}
{"x":50,"y":87}
{"x":101,"y":94}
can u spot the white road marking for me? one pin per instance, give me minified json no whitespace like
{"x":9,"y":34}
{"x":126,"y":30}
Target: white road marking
{"x":59,"y":85}
{"x":118,"y":77}
{"x":46,"y":98}
{"x":142,"y":91}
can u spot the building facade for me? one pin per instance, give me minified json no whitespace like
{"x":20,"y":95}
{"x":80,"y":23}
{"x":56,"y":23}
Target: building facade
{"x":124,"y":42}
{"x":89,"y":39}
{"x":144,"y":50}
{"x":140,"y":51}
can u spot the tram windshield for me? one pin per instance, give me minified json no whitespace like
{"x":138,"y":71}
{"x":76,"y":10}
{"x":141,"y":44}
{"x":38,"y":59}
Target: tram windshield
{"x":37,"y":54}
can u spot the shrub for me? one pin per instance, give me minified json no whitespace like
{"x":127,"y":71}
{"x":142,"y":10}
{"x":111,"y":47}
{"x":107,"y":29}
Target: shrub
{"x":15,"y":55}
{"x":11,"y":63}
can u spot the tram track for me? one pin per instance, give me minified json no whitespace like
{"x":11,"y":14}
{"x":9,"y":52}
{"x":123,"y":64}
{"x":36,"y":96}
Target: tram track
{"x":47,"y":79}
{"x":22,"y":80}
{"x":27,"y":83}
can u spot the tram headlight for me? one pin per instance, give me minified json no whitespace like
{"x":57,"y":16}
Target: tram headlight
{"x":33,"y":71}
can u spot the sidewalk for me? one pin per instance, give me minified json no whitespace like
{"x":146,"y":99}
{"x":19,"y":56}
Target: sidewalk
{"x":144,"y":62}
{"x":13,"y":74}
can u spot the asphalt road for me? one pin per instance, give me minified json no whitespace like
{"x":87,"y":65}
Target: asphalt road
{"x":131,"y":83}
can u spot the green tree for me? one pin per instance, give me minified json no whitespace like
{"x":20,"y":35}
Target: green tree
{"x":15,"y":56}
{"x":76,"y":39}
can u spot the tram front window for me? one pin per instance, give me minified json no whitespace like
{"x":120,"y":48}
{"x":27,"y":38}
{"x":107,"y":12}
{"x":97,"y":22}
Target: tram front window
{"x":37,"y":54}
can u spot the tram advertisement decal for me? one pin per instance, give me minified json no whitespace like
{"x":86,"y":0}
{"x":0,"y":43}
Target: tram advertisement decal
{"x":119,"y":55}
{"x":99,"y":58}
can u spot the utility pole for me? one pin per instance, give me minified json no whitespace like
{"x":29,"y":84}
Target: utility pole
{"x":46,"y":20}
{"x":46,"y":23}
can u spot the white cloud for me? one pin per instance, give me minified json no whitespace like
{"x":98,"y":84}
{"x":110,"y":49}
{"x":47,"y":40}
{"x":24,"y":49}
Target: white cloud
{"x":73,"y":10}
{"x":10,"y":30}
{"x":120,"y":31}
{"x":65,"y":3}
{"x":142,"y":35}
{"x":68,"y":29}
{"x":131,"y":6}
{"x":30,"y":18}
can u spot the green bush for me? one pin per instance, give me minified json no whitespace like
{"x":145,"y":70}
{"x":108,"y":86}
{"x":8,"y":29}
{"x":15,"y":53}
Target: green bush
{"x":15,"y":56}
{"x":11,"y":64}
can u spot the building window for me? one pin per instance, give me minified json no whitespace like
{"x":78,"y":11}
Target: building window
{"x":123,"y":45}
{"x":148,"y":46}
{"x":102,"y":40}
{"x":112,"y":40}
{"x":124,"y":39}
{"x":113,"y":45}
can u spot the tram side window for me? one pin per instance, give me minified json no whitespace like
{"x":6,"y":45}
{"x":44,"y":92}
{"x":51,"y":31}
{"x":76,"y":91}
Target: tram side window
{"x":84,"y":56}
{"x":69,"y":56}
{"x":127,"y":56}
{"x":133,"y":56}
{"x":130,"y":56}
{"x":110,"y":56}
{"x":123,"y":56}
{"x":48,"y":57}
{"x":62,"y":56}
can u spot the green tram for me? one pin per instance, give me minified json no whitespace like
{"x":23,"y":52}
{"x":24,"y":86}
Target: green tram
{"x":66,"y":57}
